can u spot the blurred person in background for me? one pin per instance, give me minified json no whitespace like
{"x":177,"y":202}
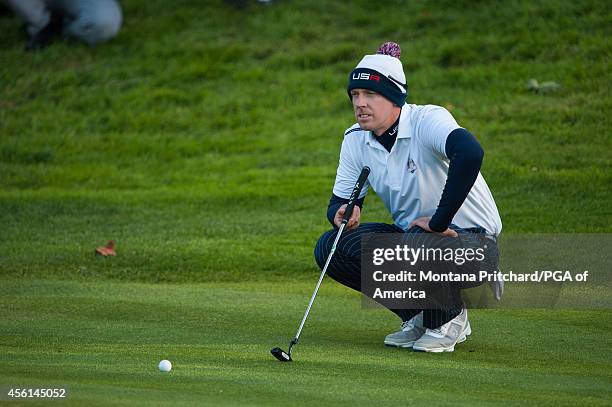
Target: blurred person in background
{"x":89,"y":21}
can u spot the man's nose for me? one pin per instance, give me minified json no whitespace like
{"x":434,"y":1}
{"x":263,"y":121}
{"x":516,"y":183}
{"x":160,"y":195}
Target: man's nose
{"x":359,"y":100}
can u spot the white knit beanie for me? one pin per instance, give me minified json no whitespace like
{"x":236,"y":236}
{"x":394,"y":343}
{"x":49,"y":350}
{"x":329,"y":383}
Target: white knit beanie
{"x":382,"y":73}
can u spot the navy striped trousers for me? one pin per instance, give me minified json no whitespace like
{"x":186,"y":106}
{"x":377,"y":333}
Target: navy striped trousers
{"x":345,"y":267}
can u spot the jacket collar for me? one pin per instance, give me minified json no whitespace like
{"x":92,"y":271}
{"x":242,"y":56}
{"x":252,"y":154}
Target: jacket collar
{"x":405,"y":129}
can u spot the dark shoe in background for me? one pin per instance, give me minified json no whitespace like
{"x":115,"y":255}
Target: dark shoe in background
{"x":5,"y":12}
{"x":47,"y":35}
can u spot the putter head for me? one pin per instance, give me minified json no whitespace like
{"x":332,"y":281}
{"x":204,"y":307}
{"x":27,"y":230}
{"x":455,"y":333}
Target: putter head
{"x":281,"y":355}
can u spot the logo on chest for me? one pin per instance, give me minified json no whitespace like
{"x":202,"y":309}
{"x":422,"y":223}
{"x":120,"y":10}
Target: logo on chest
{"x":411,"y":166}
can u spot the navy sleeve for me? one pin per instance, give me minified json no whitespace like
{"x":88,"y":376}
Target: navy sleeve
{"x":465,"y":155}
{"x":335,"y":203}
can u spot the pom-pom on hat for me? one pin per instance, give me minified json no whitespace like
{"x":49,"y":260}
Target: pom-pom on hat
{"x":383,"y":73}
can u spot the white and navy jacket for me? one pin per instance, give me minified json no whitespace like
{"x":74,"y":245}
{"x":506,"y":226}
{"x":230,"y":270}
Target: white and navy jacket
{"x":410,"y":179}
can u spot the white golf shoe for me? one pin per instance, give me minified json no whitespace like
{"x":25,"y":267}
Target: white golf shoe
{"x":444,"y":338}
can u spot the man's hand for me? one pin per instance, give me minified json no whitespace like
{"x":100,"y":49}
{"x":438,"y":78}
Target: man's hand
{"x":424,"y":223}
{"x":353,"y":222}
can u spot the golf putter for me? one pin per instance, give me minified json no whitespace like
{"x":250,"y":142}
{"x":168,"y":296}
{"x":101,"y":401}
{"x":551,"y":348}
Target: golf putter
{"x":280,"y":354}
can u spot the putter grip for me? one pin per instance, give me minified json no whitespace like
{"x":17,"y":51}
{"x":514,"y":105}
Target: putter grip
{"x":355,"y":194}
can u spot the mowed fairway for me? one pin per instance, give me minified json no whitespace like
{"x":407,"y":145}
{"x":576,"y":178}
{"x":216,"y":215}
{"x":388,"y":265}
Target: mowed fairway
{"x":104,"y":341}
{"x":204,"y":140}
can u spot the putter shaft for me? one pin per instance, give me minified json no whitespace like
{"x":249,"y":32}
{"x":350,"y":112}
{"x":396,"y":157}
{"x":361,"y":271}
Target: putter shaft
{"x":314,"y":295}
{"x":363,"y":176}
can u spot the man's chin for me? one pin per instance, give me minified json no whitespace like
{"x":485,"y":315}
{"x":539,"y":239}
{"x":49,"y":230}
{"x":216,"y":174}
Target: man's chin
{"x":364,"y":124}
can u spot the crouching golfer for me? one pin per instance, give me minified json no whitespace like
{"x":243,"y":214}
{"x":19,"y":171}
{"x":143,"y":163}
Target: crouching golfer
{"x":426,"y":170}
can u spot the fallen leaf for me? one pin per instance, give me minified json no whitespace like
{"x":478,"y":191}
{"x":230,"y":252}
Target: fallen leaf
{"x":108,"y":250}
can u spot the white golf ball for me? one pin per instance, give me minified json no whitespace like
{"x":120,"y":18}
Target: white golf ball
{"x":165,"y":365}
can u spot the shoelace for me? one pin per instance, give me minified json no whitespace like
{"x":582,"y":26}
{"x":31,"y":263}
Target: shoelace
{"x":442,"y":331}
{"x":407,"y":325}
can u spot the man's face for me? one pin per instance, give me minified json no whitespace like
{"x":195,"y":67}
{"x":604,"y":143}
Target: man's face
{"x":373,"y":111}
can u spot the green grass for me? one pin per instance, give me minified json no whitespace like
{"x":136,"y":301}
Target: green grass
{"x":104,"y":341}
{"x":205,"y":139}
